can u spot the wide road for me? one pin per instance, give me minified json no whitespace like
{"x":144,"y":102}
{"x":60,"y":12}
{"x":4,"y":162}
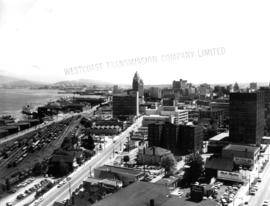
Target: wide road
{"x":77,"y":177}
{"x":263,"y":192}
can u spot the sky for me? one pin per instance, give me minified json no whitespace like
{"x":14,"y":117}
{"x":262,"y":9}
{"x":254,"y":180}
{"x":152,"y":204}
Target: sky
{"x":209,"y":41}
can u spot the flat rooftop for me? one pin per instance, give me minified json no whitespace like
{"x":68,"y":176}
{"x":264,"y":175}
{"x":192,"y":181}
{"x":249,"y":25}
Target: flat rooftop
{"x":241,"y":148}
{"x":140,"y":193}
{"x":266,"y":137}
{"x":220,"y":136}
{"x":120,"y":170}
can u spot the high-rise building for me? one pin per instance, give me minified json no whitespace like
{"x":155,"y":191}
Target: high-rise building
{"x":246,"y":117}
{"x":116,"y":89}
{"x":253,"y":86}
{"x":137,"y":84}
{"x":180,"y":139}
{"x":266,"y":91}
{"x":221,"y":105}
{"x":155,"y":92}
{"x":236,"y":87}
{"x":204,"y":89}
{"x":125,"y":104}
{"x":179,"y":116}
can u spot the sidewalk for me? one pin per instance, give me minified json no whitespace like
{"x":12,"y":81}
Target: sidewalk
{"x":243,"y":194}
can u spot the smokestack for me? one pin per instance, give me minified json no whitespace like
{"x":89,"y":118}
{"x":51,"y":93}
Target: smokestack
{"x":152,"y":202}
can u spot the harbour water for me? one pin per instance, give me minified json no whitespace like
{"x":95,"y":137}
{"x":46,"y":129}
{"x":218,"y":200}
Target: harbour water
{"x":12,"y":100}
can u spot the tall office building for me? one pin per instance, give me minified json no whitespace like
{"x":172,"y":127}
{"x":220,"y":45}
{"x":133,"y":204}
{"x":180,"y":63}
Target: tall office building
{"x":137,"y":84}
{"x":179,"y":139}
{"x":124,"y":105}
{"x":236,"y":87}
{"x":246,"y":117}
{"x":253,"y":86}
{"x":155,"y":92}
{"x":266,"y":91}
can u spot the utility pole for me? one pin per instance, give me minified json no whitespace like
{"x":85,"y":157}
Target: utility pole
{"x":90,"y":172}
{"x":69,"y":189}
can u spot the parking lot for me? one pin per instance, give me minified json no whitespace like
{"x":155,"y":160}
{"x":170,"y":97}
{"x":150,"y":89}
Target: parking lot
{"x":25,"y":191}
{"x":224,"y":193}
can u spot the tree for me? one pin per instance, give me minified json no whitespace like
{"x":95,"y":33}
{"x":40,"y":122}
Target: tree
{"x":7,"y":184}
{"x":126,"y":158}
{"x":88,"y":143}
{"x":88,"y":154}
{"x":37,"y":170}
{"x":195,"y":169}
{"x":59,"y":168}
{"x":63,"y":168}
{"x":79,"y":160}
{"x":169,"y":164}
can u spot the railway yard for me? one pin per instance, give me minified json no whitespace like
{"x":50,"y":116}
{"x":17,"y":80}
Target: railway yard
{"x":18,"y":157}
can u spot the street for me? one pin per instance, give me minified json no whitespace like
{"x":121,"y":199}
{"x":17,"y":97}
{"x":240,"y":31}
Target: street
{"x":263,"y":192}
{"x":77,"y":177}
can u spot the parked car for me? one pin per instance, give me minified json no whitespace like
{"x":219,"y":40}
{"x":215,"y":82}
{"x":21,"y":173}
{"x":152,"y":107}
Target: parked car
{"x":252,"y":192}
{"x":266,"y":203}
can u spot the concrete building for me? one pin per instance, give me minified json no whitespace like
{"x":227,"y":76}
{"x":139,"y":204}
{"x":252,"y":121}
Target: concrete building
{"x":179,"y":116}
{"x":168,"y":102}
{"x":156,"y":119}
{"x":167,"y":93}
{"x":148,"y":194}
{"x":241,"y":154}
{"x":155,"y":92}
{"x":126,"y":175}
{"x":246,"y":117}
{"x":266,"y":91}
{"x":236,"y":88}
{"x":204,"y":89}
{"x":221,"y":106}
{"x":253,"y":86}
{"x":218,"y":142}
{"x":125,"y":104}
{"x":179,"y":139}
{"x":137,"y":85}
{"x":152,"y":155}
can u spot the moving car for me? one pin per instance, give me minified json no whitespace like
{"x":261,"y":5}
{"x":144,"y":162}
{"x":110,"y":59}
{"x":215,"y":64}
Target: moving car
{"x":266,"y":203}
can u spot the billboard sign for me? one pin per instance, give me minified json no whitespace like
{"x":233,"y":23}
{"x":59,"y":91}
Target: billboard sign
{"x":243,"y":161}
{"x":231,"y":176}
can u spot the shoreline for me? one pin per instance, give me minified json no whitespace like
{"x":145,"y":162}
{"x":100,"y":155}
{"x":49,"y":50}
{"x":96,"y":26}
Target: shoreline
{"x":36,"y":99}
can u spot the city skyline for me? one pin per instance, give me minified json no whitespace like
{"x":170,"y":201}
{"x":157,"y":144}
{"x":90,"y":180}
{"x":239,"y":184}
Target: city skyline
{"x":40,"y":39}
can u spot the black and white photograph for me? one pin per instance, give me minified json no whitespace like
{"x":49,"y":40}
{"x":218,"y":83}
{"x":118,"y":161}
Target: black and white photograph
{"x":134,"y":103}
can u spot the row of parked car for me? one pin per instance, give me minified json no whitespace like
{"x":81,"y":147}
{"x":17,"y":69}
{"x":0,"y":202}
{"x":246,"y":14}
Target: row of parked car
{"x":254,"y":186}
{"x":228,"y":196}
{"x":33,"y":189}
{"x":25,"y":182}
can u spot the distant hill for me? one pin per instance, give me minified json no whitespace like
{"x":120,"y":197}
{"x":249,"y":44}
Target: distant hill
{"x":6,"y":79}
{"x":11,"y":82}
{"x":158,"y":85}
{"x":82,"y":82}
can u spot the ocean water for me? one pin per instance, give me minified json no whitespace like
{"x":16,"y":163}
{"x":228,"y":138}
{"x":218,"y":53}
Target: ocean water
{"x":12,"y":100}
